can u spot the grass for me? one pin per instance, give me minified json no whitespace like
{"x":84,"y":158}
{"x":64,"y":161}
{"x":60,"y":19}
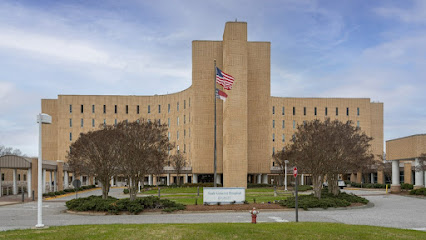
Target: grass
{"x":216,"y":231}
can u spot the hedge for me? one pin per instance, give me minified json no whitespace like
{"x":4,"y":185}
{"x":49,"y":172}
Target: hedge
{"x":420,"y":191}
{"x":200,"y":185}
{"x":327,"y":200}
{"x":68,"y":190}
{"x":407,"y":186}
{"x":114,"y":205}
{"x":258,"y":185}
{"x":367,"y":185}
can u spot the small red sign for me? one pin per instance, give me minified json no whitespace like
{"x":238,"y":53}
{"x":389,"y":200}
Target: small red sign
{"x":295,"y":171}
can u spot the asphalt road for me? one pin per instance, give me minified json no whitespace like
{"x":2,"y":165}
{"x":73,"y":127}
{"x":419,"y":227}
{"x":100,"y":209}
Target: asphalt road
{"x":388,"y":211}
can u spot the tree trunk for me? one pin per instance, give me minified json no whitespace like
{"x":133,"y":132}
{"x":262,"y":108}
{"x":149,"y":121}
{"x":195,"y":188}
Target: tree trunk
{"x":132,"y":188}
{"x":178,"y":180}
{"x":333,"y":186}
{"x":105,"y":188}
{"x":317,"y":182}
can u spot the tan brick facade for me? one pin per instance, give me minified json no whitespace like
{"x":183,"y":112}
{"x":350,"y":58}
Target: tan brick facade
{"x":406,"y":148}
{"x":249,"y":124}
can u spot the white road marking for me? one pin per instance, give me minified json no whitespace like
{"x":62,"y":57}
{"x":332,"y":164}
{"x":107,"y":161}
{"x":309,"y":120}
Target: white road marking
{"x":278,"y":219}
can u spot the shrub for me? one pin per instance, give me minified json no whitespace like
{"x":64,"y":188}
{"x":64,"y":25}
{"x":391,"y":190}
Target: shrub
{"x":420,"y":191}
{"x":303,"y":188}
{"x":258,"y":185}
{"x":368,"y":185}
{"x":51,"y":194}
{"x":126,"y":191}
{"x":200,"y":185}
{"x":407,"y":186}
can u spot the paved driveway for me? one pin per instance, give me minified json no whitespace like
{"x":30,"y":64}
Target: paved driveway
{"x":389,"y":211}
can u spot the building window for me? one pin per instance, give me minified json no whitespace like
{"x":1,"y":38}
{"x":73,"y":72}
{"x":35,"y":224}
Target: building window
{"x":104,"y":108}
{"x":177,"y":135}
{"x":283,"y":137}
{"x":168,"y":108}
{"x":283,"y":111}
{"x":184,"y":148}
{"x":159,"y":121}
{"x":137,"y":120}
{"x":304,"y":123}
{"x":19,"y":177}
{"x":137,"y":109}
{"x":189,"y":102}
{"x":273,"y":123}
{"x":326,"y":111}
{"x":273,"y":137}
{"x":315,"y":111}
{"x":273,"y":109}
{"x":294,"y":124}
{"x":273,"y":164}
{"x":184,"y":119}
{"x":357,"y":123}
{"x":189,"y":132}
{"x":347,"y":111}
{"x":149,"y":108}
{"x":81,"y":108}
{"x":25,"y":177}
{"x":337,"y":111}
{"x":115,"y":122}
{"x":81,"y":122}
{"x":184,"y":133}
{"x":70,"y":122}
{"x":168,"y":135}
{"x":127,"y":109}
{"x":126,"y":121}
{"x":149,"y":120}
{"x":283,"y":123}
{"x":304,"y":111}
{"x":168,"y":122}
{"x":159,"y":108}
{"x":115,"y":109}
{"x":70,"y":108}
{"x":293,"y":137}
{"x":178,"y":149}
{"x":104,"y":121}
{"x":184,"y":107}
{"x":93,"y":122}
{"x":294,"y":110}
{"x":273,"y":150}
{"x":70,"y":136}
{"x":177,"y":106}
{"x":93,"y":108}
{"x":2,"y":177}
{"x":177,"y":121}
{"x":357,"y":111}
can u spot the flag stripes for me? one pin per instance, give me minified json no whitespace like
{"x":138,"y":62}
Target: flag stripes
{"x":224,"y":79}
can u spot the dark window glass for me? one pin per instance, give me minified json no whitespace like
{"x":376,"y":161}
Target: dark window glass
{"x":315,"y":111}
{"x":347,"y":111}
{"x":159,"y":108}
{"x":149,"y":108}
{"x":294,"y":110}
{"x":326,"y":111}
{"x":82,"y":108}
{"x":104,"y":108}
{"x":137,"y":109}
{"x":127,"y":109}
{"x":115,"y":109}
{"x":283,"y":111}
{"x":273,"y":109}
{"x":337,"y":111}
{"x":93,"y":108}
{"x":304,"y":110}
{"x":70,"y":108}
{"x":357,"y":111}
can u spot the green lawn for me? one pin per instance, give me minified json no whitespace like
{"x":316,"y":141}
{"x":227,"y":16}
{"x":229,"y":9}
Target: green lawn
{"x":188,"y":195}
{"x":217,"y":231}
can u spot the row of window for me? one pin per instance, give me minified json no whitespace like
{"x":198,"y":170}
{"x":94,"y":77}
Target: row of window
{"x":19,"y":177}
{"x":315,"y":111}
{"x":294,"y":124}
{"x":149,"y":120}
{"x":137,"y":108}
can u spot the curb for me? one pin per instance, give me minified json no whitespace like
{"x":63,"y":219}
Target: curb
{"x":368,"y":205}
{"x":69,"y":194}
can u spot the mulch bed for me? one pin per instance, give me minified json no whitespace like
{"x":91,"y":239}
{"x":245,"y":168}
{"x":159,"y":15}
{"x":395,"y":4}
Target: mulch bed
{"x":234,"y":207}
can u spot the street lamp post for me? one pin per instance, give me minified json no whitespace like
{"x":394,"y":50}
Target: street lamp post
{"x":42,"y":118}
{"x":285,"y":175}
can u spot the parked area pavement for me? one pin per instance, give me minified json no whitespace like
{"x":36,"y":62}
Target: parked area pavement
{"x":388,"y":211}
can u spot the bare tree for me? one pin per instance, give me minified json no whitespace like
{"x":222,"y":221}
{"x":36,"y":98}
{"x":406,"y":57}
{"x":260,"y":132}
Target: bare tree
{"x":143,"y":149}
{"x":95,"y":153}
{"x":178,"y":162}
{"x":327,"y":148}
{"x":10,"y":151}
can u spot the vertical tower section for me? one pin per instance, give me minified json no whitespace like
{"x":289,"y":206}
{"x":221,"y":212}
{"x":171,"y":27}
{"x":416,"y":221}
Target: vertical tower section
{"x":202,"y":106}
{"x":235,"y":145}
{"x":259,"y":108}
{"x":50,"y":131}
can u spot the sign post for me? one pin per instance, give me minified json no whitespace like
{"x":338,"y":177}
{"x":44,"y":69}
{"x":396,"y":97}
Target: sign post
{"x":295,"y":176}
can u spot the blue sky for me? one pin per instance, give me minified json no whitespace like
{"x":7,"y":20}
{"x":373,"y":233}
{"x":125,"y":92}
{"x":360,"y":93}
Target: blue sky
{"x":373,"y":49}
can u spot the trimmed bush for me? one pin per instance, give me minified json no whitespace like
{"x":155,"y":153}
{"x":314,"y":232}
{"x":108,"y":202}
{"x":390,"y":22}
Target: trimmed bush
{"x":407,"y":186}
{"x":367,"y":185}
{"x":420,"y":191}
{"x":327,"y":200}
{"x":200,"y":185}
{"x":258,"y":185}
{"x":114,"y":205}
{"x":303,"y":188}
{"x":126,"y":191}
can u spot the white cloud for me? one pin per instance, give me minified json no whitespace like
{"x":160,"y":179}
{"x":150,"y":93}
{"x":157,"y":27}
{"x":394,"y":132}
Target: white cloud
{"x":412,"y":14}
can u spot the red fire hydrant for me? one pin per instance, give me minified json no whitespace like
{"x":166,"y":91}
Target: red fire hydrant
{"x":254,"y":213}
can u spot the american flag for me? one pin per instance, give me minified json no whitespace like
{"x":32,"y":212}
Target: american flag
{"x":224,"y":79}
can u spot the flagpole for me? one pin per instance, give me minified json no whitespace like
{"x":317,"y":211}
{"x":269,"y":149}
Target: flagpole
{"x":215,"y":171}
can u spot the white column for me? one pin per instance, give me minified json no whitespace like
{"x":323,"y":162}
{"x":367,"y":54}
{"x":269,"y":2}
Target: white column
{"x":29,"y":190}
{"x":302,"y":179}
{"x":55,"y":175}
{"x":139,"y":186}
{"x":186,"y":178}
{"x":150,"y":179}
{"x":265,"y":178}
{"x":395,"y":173}
{"x":424,"y":178}
{"x":194,"y":178}
{"x":15,"y":184}
{"x":66,"y":184}
{"x":419,"y":175}
{"x":285,"y":177}
{"x":50,"y":181}
{"x":259,"y":179}
{"x":218,"y":179}
{"x":73,"y":177}
{"x":168,"y":179}
{"x":112,"y":181}
{"x":1,"y":190}
{"x":372,"y":178}
{"x":43,"y":181}
{"x":81,"y":180}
